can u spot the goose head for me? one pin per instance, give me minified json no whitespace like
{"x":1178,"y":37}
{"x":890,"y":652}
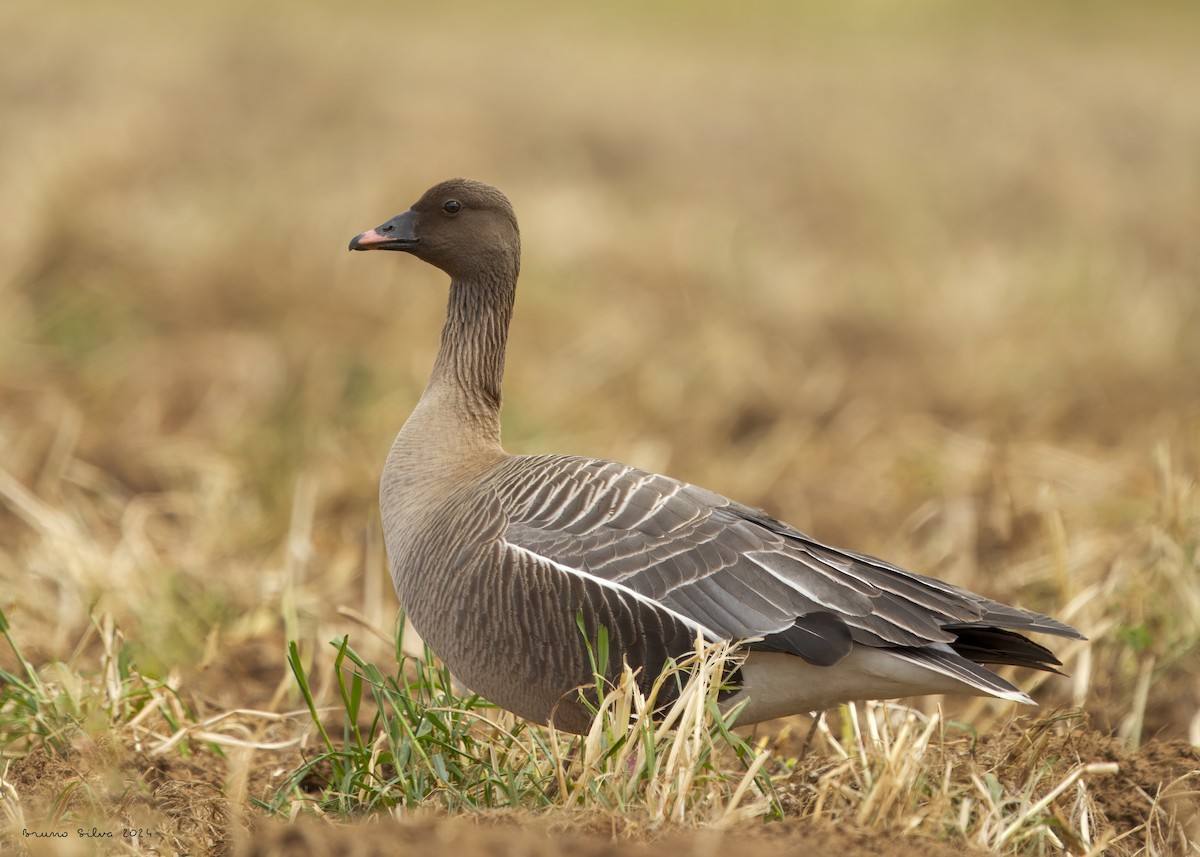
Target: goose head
{"x":466,"y":228}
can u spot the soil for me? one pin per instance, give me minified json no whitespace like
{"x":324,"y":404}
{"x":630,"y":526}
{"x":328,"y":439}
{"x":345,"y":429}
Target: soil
{"x":1157,"y":781}
{"x":462,"y":836}
{"x":186,"y":806}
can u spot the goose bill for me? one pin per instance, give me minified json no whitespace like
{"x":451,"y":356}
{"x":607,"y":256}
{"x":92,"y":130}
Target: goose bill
{"x":399,"y":233}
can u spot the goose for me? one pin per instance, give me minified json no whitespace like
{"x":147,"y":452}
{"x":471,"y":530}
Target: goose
{"x":496,"y":558}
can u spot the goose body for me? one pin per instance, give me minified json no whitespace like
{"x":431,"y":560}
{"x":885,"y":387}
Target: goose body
{"x":494,"y":557}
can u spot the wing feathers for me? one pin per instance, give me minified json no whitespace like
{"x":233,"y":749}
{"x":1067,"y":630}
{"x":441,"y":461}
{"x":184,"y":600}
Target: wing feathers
{"x":999,"y":646}
{"x":821,"y":639}
{"x":817,"y":586}
{"x":734,"y":572}
{"x":968,"y":672}
{"x":622,"y":590}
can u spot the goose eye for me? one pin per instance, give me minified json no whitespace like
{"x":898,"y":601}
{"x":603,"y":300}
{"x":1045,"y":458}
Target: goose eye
{"x":452,"y":206}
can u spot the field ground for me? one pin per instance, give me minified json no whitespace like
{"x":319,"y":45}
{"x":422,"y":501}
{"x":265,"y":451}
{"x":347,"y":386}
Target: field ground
{"x":920,"y":279}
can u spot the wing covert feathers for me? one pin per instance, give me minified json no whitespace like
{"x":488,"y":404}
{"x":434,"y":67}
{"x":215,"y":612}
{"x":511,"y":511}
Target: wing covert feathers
{"x":738,"y":573}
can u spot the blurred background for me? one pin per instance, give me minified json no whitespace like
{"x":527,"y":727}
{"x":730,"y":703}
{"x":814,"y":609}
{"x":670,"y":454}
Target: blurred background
{"x":922,"y":279}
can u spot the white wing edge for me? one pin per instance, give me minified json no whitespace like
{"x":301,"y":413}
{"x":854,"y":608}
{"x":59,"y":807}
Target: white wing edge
{"x":691,"y":624}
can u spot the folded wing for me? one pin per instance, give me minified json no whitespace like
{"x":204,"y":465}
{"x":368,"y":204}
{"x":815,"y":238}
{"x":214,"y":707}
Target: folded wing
{"x":738,"y":573}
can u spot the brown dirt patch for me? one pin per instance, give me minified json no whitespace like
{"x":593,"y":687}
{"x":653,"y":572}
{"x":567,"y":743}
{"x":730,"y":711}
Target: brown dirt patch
{"x":198,"y":805}
{"x":537,"y":838}
{"x":1156,"y":784}
{"x":241,"y":674}
{"x":175,"y":804}
{"x":1163,"y":775}
{"x":1153,"y":797}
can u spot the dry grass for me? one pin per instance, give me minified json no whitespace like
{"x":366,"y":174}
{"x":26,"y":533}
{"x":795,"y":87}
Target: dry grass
{"x":920,"y":280}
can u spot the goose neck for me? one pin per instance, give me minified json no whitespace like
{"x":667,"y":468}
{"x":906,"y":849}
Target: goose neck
{"x":464,"y":391}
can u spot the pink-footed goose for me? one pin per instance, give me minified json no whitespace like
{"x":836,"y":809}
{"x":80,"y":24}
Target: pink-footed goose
{"x":494,"y":556}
